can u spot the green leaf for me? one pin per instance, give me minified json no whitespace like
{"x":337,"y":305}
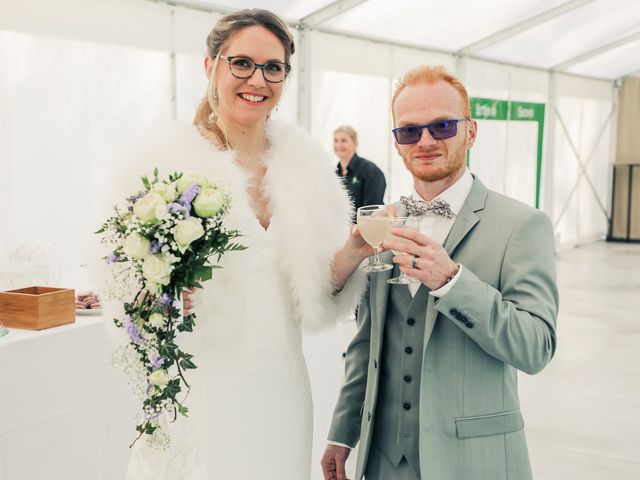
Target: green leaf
{"x":202,"y":273}
{"x":187,"y":364}
{"x":187,"y":324}
{"x":172,"y":388}
{"x":182,"y":410}
{"x":168,"y":350}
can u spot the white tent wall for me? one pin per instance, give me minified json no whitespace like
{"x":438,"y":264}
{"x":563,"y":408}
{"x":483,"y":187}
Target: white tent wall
{"x":505,"y":153}
{"x":584,"y":122}
{"x":65,"y":101}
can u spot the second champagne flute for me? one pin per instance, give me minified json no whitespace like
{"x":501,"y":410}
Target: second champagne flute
{"x":374,"y":227}
{"x":408,"y":223}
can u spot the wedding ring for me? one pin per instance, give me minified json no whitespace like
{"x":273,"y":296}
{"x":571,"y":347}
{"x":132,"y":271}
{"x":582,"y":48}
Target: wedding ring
{"x":414,"y":262}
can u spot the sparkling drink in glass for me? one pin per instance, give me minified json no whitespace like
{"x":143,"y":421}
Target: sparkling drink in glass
{"x":374,"y":226}
{"x":408,"y":223}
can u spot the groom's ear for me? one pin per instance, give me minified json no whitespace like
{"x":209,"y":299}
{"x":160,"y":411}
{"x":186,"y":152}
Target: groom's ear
{"x":472,"y":132}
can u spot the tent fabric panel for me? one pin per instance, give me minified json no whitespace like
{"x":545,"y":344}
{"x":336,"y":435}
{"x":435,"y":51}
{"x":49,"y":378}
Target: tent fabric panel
{"x":114,"y":23}
{"x":433,"y":25}
{"x":569,"y":35}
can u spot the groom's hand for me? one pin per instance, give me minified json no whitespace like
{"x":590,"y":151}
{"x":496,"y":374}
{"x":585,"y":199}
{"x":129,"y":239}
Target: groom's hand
{"x":188,"y":303}
{"x":333,"y":461}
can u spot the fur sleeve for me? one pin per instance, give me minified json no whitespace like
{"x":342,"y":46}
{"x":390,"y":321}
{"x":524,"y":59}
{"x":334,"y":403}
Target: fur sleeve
{"x":311,"y":213}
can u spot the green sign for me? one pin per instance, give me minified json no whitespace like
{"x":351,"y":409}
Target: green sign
{"x":491,"y":109}
{"x":488,"y":109}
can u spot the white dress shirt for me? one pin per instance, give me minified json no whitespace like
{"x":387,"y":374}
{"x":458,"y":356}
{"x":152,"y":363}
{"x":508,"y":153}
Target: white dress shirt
{"x":438,"y":227}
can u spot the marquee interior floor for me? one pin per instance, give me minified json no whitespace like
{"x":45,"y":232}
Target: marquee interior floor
{"x":582,"y":413}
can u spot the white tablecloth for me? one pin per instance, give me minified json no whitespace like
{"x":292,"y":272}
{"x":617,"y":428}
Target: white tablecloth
{"x":64,"y":413}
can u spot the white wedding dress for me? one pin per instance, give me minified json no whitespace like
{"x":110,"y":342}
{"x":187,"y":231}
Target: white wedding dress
{"x":250,"y":402}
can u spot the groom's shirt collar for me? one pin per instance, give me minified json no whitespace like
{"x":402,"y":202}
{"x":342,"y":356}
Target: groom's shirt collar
{"x":456,"y":194}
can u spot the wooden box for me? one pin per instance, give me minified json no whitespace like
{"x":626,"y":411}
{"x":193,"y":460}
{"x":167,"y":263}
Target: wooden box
{"x":37,"y":308}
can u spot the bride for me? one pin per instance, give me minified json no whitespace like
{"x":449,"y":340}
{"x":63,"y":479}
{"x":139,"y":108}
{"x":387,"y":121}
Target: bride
{"x":250,"y":402}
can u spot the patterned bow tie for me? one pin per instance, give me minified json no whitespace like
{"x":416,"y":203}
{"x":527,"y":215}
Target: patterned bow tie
{"x":420,"y":207}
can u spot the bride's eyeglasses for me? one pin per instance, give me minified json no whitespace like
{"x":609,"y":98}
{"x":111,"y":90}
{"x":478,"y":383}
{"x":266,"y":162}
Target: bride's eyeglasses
{"x":243,"y":67}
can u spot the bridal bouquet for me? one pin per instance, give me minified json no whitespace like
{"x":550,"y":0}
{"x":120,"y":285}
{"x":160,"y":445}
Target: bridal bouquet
{"x":162,"y":243}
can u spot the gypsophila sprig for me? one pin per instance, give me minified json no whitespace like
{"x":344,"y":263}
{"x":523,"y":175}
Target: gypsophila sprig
{"x":167,"y":238}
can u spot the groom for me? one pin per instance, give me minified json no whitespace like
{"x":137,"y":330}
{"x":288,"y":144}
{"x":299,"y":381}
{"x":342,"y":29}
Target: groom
{"x":431,"y":387}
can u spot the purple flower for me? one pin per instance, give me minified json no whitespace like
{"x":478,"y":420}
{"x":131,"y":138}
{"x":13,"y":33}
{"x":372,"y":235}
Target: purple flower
{"x":177,"y":208}
{"x":113,"y":258}
{"x":132,"y":330}
{"x":156,"y":361}
{"x":152,"y":416}
{"x":165,"y":299}
{"x":136,"y":197}
{"x":154,"y":247}
{"x":189,"y":194}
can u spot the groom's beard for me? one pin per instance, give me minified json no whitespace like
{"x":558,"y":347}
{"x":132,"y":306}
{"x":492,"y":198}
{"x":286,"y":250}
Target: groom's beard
{"x":449,"y":162}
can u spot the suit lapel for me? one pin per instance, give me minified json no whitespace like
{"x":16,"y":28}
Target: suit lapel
{"x":467,"y":218}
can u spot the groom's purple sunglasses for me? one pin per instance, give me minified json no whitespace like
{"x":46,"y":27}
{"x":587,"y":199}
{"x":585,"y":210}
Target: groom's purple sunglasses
{"x":439,"y":130}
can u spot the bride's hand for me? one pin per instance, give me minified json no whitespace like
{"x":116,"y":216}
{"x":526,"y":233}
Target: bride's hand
{"x":356,"y":245}
{"x":188,"y":302}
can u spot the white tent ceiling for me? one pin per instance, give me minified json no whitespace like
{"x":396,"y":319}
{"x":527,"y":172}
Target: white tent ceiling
{"x":595,"y":38}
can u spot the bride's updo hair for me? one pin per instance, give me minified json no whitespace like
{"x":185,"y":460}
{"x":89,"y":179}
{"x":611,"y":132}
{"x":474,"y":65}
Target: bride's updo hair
{"x":207,"y":112}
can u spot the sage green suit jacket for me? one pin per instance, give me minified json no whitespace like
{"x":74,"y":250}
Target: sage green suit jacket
{"x":498,"y":318}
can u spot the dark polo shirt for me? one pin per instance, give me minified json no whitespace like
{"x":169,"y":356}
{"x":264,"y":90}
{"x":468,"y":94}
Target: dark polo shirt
{"x":364,"y":181}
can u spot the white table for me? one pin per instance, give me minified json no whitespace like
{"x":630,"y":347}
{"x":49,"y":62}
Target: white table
{"x":64,"y":413}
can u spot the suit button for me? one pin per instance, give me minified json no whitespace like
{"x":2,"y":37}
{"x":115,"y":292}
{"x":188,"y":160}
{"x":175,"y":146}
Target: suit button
{"x":406,"y":406}
{"x":408,"y":350}
{"x":469,"y":325}
{"x":407,"y":378}
{"x":344,"y":354}
{"x":461,"y":317}
{"x":411,"y":321}
{"x":454,"y":312}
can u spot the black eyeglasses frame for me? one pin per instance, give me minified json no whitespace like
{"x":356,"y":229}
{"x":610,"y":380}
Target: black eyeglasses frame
{"x":261,"y":66}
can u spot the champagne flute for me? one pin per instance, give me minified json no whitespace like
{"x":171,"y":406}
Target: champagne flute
{"x":374,"y":226}
{"x":408,"y":223}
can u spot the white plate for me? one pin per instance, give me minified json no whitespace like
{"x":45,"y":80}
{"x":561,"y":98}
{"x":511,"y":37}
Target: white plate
{"x":88,"y":311}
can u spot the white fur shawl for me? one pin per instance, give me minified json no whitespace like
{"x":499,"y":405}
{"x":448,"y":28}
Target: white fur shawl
{"x":310,"y":209}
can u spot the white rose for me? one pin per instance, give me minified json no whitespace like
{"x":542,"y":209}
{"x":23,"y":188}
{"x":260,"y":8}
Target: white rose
{"x":187,"y":231}
{"x":136,"y":246}
{"x":145,"y":208}
{"x":157,"y":269}
{"x":160,"y":378}
{"x":153,"y":288}
{"x":166,"y":190}
{"x":156,"y":320}
{"x":161,"y":212}
{"x":208,"y":202}
{"x":189,"y":179}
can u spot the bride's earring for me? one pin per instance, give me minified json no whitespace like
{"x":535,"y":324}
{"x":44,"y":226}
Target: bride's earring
{"x":212,"y":97}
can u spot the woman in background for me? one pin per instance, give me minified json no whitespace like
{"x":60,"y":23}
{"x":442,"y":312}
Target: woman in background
{"x":363,"y":179}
